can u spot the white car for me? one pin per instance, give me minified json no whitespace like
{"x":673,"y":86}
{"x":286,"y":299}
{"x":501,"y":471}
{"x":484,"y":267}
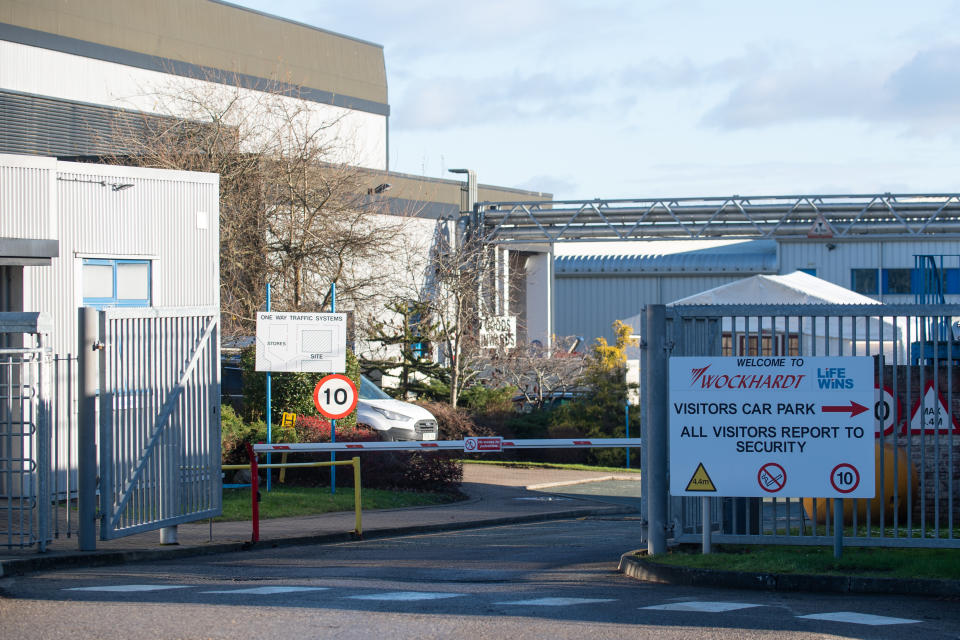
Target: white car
{"x":393,"y":419}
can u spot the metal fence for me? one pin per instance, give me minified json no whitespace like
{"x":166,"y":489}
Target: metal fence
{"x":916,"y":352}
{"x":63,"y":445}
{"x":24,"y":433}
{"x":159,"y":418}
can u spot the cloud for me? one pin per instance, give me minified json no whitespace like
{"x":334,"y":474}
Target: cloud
{"x":684,"y":73}
{"x":555,"y":185}
{"x":922,"y":91}
{"x":445,"y":102}
{"x":928,"y":84}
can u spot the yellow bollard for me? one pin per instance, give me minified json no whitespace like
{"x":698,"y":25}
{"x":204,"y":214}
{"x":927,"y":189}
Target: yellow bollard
{"x":283,"y":469}
{"x":356,"y":495}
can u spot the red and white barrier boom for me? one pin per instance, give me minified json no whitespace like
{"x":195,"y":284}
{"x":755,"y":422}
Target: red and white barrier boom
{"x":467,"y":445}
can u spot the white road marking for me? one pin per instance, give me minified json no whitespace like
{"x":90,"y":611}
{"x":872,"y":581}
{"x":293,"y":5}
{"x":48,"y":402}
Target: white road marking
{"x":266,"y":591}
{"x":703,"y":607}
{"x":406,"y":596}
{"x":858,"y":618}
{"x":557,"y":602}
{"x":129,"y":587}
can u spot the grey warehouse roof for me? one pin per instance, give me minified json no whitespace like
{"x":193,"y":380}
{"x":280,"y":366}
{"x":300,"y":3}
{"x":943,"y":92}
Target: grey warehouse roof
{"x":750,"y":257}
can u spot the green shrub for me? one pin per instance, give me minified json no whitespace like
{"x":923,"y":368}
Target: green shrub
{"x":482,"y":399}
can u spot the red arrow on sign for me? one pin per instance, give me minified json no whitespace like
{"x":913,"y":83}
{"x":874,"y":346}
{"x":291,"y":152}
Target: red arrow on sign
{"x":855,"y":409}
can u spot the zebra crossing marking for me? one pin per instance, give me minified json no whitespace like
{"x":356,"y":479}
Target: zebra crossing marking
{"x":557,"y":602}
{"x":858,"y":618}
{"x":129,"y":587}
{"x":406,"y":596}
{"x":266,"y":591}
{"x":702,"y":607}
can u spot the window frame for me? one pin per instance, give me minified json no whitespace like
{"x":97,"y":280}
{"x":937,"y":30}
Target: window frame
{"x":113,"y":301}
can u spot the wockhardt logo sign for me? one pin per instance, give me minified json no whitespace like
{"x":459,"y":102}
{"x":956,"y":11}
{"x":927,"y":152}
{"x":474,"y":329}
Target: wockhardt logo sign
{"x":697,"y":373}
{"x":700,"y":380}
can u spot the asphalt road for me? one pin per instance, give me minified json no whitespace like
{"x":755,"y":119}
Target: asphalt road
{"x":543,"y":580}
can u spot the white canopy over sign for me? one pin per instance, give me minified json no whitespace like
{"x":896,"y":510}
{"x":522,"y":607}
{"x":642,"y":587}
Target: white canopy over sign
{"x":832,"y":336}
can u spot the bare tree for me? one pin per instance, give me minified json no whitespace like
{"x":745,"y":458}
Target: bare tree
{"x":294,"y":211}
{"x":458,"y":265}
{"x":539,"y":373}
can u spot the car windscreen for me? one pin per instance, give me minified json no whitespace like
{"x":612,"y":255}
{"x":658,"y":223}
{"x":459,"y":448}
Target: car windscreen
{"x":370,"y":391}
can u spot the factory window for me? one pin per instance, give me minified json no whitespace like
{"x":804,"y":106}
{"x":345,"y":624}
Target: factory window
{"x":812,"y":272}
{"x":898,"y":281}
{"x":116,"y":283}
{"x":864,"y":281}
{"x":763,"y":345}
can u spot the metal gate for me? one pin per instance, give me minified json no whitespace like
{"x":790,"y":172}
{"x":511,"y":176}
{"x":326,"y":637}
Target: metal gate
{"x":916,"y":352}
{"x":159,"y":418}
{"x":25,"y":431}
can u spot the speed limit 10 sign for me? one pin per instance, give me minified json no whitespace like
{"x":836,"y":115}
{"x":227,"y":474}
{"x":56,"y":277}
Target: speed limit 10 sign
{"x":335,"y":396}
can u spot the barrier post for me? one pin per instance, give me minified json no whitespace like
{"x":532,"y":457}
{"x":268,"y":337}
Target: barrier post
{"x":357,"y":495}
{"x":254,"y":495}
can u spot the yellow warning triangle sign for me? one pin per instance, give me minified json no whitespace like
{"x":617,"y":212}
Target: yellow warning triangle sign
{"x":701,"y":480}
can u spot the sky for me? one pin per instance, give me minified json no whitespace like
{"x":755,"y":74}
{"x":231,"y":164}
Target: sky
{"x":651,"y":98}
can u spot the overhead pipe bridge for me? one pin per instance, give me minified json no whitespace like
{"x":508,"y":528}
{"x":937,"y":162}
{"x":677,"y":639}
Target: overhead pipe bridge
{"x":735,"y":217}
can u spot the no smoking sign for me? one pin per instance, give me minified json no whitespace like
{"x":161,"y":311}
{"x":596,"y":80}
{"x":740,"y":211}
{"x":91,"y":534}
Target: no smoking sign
{"x":772,"y":477}
{"x":335,"y":396}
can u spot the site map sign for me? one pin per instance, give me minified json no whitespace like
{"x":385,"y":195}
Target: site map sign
{"x":781,"y":426}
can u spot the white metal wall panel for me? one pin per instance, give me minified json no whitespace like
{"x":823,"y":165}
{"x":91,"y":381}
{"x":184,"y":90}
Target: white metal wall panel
{"x":27,"y":197}
{"x":835,"y":264}
{"x":588,"y":306}
{"x":156,"y":218}
{"x":32,"y":70}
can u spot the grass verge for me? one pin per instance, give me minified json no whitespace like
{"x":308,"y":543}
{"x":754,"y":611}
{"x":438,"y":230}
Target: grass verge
{"x":288,"y":501}
{"x":551,"y":465}
{"x":874,"y":562}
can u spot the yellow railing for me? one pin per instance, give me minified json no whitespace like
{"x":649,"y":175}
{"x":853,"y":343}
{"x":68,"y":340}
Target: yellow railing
{"x":353,"y":462}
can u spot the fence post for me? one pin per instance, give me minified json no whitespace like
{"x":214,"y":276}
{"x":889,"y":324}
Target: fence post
{"x":655,"y":380}
{"x":88,"y":324}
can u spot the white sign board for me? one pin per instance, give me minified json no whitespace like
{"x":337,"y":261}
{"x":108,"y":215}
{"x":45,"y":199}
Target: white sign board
{"x":301,"y":342}
{"x":772,"y":427}
{"x":498,"y":331}
{"x":482,"y":445}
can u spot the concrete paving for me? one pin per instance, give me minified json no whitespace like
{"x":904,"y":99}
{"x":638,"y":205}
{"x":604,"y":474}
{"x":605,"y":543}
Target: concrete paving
{"x":495,"y":495}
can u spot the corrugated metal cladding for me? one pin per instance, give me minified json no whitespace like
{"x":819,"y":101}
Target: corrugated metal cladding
{"x":676,"y":263}
{"x":833,"y":260}
{"x":211,"y":35}
{"x":27,"y":197}
{"x":161,"y":217}
{"x":587,"y":307}
{"x":38,"y":125}
{"x":593,"y":291}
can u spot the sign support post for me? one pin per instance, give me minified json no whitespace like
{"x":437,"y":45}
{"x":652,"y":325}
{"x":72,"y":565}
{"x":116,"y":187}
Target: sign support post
{"x":333,"y":423}
{"x":707,"y":525}
{"x":837,"y":528}
{"x":657,"y":429}
{"x":269,"y":410}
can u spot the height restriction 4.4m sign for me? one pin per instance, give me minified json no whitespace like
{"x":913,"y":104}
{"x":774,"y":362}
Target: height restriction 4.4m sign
{"x":781,"y":426}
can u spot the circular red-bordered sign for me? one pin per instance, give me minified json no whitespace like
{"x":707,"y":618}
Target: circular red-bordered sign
{"x":846,"y":476}
{"x":335,"y":396}
{"x":771,"y":477}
